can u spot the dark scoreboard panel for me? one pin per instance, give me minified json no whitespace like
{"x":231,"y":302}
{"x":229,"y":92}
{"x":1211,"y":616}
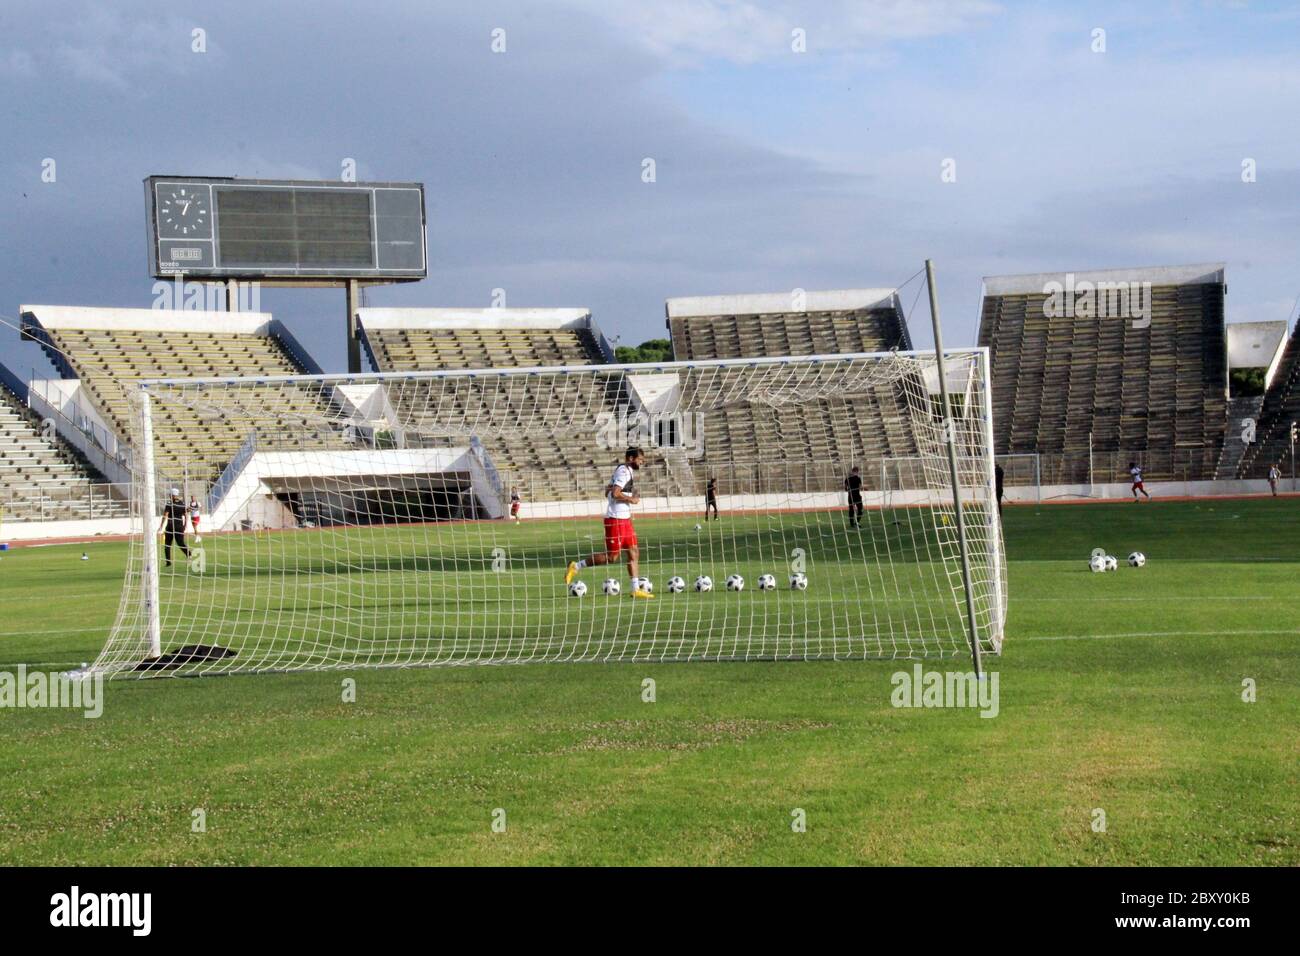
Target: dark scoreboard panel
{"x":279,"y":229}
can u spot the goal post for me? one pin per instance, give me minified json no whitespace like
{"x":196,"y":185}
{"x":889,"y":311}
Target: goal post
{"x":429,"y":518}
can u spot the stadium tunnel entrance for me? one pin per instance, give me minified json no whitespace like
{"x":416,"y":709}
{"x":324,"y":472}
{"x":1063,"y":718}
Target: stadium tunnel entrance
{"x":379,"y":500}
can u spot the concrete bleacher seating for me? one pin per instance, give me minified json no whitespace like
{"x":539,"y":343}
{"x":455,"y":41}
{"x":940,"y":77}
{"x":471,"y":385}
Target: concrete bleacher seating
{"x":427,"y":339}
{"x":110,"y":350}
{"x":831,"y":435}
{"x":559,"y":465}
{"x":42,"y":478}
{"x":1281,"y":407}
{"x":1091,"y":393}
{"x":744,"y":326}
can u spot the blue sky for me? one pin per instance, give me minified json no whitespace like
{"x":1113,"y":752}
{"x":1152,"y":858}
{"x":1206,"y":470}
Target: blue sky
{"x":775,"y":169}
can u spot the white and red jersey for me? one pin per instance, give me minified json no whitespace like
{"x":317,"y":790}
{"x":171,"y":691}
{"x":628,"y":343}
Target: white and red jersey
{"x":1136,"y":472}
{"x":623,"y":479}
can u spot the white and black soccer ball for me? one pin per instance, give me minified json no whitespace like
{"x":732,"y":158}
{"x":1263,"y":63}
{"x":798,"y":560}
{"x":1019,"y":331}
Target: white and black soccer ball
{"x":676,"y":585}
{"x":1097,"y":563}
{"x":735,"y":582}
{"x":699,"y":527}
{"x":645,"y":585}
{"x":704,"y":583}
{"x":1137,"y":559}
{"x":1112,"y":563}
{"x":766,"y":582}
{"x":799,"y":581}
{"x":578,"y":589}
{"x":611,"y":586}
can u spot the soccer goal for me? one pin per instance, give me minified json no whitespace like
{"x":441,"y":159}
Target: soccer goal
{"x":429,"y":518}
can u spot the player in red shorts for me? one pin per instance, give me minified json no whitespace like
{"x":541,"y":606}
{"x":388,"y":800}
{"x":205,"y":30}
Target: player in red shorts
{"x":620,"y":536}
{"x":1135,"y":470}
{"x":514,"y":504}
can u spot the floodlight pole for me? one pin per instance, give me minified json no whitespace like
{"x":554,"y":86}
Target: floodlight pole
{"x":149,"y":515}
{"x":950,"y":438}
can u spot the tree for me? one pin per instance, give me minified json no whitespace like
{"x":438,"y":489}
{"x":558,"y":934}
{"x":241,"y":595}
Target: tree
{"x":655,"y":350}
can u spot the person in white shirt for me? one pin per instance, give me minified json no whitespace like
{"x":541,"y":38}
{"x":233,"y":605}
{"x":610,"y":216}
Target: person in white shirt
{"x":1135,"y":470}
{"x":620,"y":535}
{"x":1274,"y":473}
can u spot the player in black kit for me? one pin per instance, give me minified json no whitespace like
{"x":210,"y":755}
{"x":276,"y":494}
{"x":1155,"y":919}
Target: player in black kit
{"x":173,"y":526}
{"x":853,"y":485}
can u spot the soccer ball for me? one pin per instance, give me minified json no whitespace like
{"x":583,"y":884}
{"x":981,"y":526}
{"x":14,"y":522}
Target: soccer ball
{"x":645,"y":585}
{"x":676,"y":585}
{"x":766,"y":582}
{"x":611,"y":586}
{"x":1112,"y":563}
{"x":1137,"y":559}
{"x":578,"y":589}
{"x":735,"y":582}
{"x":1097,"y":563}
{"x":198,"y":539}
{"x":799,"y":581}
{"x":699,"y":527}
{"x":704,"y":583}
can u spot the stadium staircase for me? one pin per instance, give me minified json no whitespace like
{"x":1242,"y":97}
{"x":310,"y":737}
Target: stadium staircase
{"x":43,"y":478}
{"x":1234,"y":449}
{"x":1280,"y":407}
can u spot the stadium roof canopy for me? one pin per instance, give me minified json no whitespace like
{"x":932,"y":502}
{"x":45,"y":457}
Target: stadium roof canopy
{"x":493,"y":318}
{"x":1035,"y":282}
{"x":762,"y":303}
{"x":1256,"y":345}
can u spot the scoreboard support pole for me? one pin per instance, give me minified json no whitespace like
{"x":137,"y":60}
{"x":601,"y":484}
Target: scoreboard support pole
{"x":354,"y":343}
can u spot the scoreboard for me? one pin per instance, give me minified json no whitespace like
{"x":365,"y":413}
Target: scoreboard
{"x":222,"y":228}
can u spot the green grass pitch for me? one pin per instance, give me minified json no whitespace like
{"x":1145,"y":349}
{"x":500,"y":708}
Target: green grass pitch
{"x":1119,"y":692}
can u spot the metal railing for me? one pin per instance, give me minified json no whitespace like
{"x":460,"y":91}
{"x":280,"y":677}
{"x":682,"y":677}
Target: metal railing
{"x":58,"y":501}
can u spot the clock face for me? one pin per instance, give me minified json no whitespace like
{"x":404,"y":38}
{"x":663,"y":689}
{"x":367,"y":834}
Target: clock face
{"x":184,"y":212}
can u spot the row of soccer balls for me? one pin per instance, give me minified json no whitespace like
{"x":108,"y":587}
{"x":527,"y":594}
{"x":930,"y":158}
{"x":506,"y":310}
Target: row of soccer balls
{"x":676,"y":585}
{"x":1101,"y":561}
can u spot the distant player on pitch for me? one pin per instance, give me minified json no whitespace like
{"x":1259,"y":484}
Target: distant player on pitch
{"x":620,"y":496}
{"x":1135,"y":470}
{"x":853,"y":487}
{"x":515,"y":502}
{"x":194,"y":513}
{"x":711,"y":499}
{"x":1274,"y":473}
{"x":173,"y":526}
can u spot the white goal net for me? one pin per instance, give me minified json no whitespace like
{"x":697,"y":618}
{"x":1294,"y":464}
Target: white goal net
{"x":430,"y":518}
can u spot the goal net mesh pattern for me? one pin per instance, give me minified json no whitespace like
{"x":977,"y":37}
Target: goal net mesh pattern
{"x":366,"y":521}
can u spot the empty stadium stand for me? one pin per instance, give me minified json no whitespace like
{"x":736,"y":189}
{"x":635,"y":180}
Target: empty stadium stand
{"x":1281,"y":407}
{"x":1097,"y":383}
{"x":830,"y":322}
{"x":855,"y":429}
{"x":555,"y":466}
{"x":428,"y":339}
{"x":41,"y":478}
{"x":109,"y":350}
